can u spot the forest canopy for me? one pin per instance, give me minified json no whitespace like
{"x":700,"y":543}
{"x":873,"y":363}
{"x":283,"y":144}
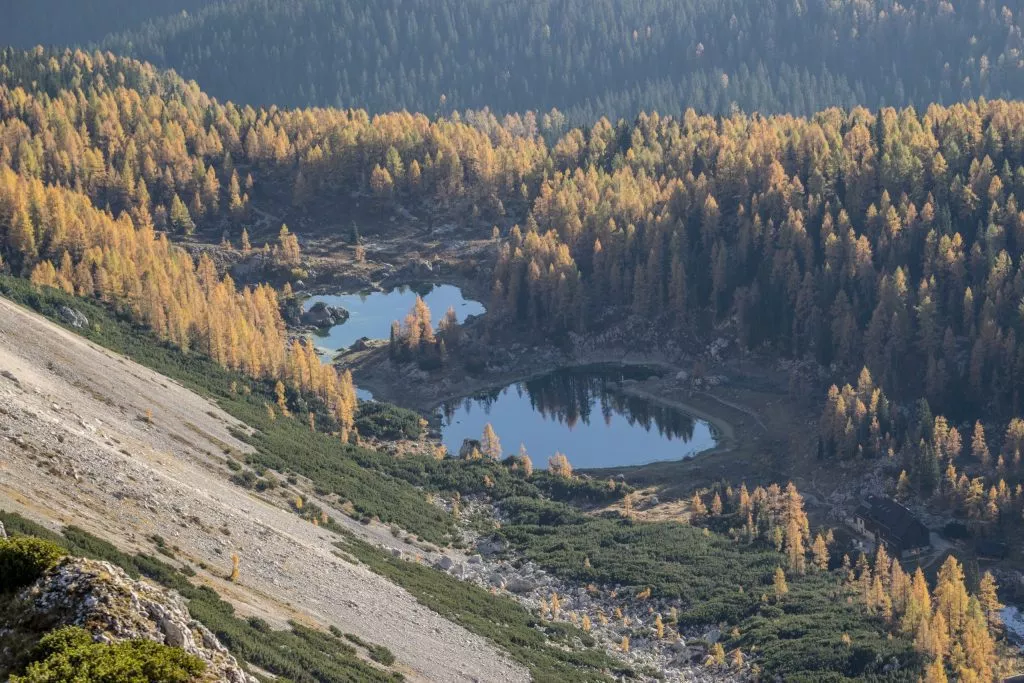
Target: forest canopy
{"x":586,"y":58}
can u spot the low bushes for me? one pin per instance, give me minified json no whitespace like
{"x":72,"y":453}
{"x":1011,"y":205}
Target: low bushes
{"x":386,"y":421}
{"x":23,"y":560}
{"x":69,"y":654}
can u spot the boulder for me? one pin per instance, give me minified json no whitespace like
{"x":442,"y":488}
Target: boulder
{"x":112,"y":606}
{"x":521,"y":585}
{"x":444,"y":563}
{"x":491,"y":546}
{"x":475,"y":559}
{"x":496,"y":580}
{"x":72,"y":317}
{"x":322,"y":315}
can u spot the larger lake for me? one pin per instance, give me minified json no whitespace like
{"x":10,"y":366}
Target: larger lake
{"x":583,"y":413}
{"x":371,"y":313}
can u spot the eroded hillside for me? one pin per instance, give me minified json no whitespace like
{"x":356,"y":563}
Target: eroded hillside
{"x":92,"y":439}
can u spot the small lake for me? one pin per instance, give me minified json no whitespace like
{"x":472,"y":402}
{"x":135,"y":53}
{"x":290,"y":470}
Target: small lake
{"x":583,"y":413}
{"x":371,"y":313}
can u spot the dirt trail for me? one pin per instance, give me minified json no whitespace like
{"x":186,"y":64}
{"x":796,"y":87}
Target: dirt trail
{"x":76,"y":447}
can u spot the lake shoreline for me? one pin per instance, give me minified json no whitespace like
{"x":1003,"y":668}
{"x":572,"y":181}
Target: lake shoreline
{"x":392,"y":384}
{"x":426,"y":393}
{"x":592,"y":413}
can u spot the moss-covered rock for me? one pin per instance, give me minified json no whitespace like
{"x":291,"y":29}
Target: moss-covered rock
{"x":112,"y":608}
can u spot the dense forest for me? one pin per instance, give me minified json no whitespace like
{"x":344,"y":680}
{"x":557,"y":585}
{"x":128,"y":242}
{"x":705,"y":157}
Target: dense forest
{"x":72,"y":153}
{"x":68,"y":22}
{"x":591,"y":59}
{"x":890,"y":240}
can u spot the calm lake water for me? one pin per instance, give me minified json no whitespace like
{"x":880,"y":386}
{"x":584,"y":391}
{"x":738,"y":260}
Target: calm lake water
{"x":371,"y":313}
{"x":581,"y":413}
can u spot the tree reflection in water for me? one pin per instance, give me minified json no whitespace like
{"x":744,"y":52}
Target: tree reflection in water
{"x":575,"y":397}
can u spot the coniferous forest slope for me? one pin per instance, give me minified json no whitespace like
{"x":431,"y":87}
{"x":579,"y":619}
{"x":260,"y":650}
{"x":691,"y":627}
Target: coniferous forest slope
{"x":590,"y":59}
{"x":587,"y":59}
{"x":68,"y":22}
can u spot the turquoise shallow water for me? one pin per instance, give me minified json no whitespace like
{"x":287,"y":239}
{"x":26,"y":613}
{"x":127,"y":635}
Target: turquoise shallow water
{"x":372,"y":313}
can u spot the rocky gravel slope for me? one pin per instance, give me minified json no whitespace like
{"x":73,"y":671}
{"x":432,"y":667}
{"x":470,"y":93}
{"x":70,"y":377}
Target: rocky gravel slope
{"x":90,"y":438}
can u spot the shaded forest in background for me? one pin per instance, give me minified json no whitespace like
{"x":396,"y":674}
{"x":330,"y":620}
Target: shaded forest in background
{"x":587,"y":59}
{"x":590,"y":59}
{"x":73,"y":22}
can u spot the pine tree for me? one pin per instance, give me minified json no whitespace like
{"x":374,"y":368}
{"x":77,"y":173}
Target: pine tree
{"x":288,"y":244}
{"x":795,"y":553}
{"x":490,"y":443}
{"x":524,"y":461}
{"x":381,"y":182}
{"x":820,"y":553}
{"x":988,"y":597}
{"x":950,"y":595}
{"x":181,"y":219}
{"x":559,"y":466}
{"x":282,"y":403}
{"x":935,"y":672}
{"x":979,"y":448}
{"x":22,"y":237}
{"x":919,"y":604}
{"x":779,"y":584}
{"x":903,"y":488}
{"x":978,"y":644}
{"x":697,"y":507}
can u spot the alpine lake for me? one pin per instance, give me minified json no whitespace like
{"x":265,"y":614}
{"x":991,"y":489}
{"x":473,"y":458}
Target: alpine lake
{"x":585,"y":412}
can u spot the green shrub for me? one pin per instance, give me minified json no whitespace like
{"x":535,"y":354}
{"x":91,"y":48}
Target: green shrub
{"x":69,"y":654}
{"x":382,"y":655}
{"x":387,"y":421}
{"x":24,"y":559}
{"x":246,"y":479}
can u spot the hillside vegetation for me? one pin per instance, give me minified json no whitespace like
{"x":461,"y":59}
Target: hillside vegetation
{"x":67,"y":22}
{"x":590,"y":59}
